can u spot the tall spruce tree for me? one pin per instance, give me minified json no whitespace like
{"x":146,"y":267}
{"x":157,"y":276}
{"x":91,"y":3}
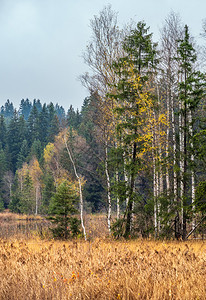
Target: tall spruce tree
{"x":8,"y":109}
{"x":15,"y":136}
{"x":3,"y":132}
{"x":33,"y":126}
{"x":135,"y":67}
{"x":44,"y":125}
{"x":191,"y":92}
{"x":22,"y":155}
{"x":25,"y":108}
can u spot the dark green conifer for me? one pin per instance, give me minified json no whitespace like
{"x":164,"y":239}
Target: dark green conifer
{"x":61,"y":209}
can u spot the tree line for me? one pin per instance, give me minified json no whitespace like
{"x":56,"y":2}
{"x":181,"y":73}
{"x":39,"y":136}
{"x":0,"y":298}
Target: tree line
{"x":150,"y":99}
{"x":136,"y":149}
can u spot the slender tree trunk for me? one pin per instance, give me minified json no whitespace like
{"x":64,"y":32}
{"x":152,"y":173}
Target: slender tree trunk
{"x":132,"y":186}
{"x":195,"y":227}
{"x":184,"y":221}
{"x":160,"y":180}
{"x":80,"y":188}
{"x":126,"y":179}
{"x":181,"y":142}
{"x":157,"y":172}
{"x":167,"y":140}
{"x":117,"y":183}
{"x":175,"y":178}
{"x":174,"y":151}
{"x":37,"y":195}
{"x":118,"y":206}
{"x":192,"y":167}
{"x":154,"y":185}
{"x":108,"y":190}
{"x":155,"y":198}
{"x":158,"y":203}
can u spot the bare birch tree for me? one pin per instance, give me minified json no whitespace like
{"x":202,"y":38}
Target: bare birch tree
{"x":80,"y":185}
{"x":171,"y":32}
{"x":101,"y":52}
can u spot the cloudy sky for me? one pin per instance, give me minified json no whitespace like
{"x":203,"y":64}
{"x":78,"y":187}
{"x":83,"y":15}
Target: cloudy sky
{"x":41,"y":42}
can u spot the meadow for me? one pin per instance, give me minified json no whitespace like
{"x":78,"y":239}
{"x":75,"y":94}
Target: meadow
{"x":101,"y":268}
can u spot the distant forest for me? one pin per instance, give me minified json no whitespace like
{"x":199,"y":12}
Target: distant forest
{"x":25,"y":135}
{"x":137,"y":148}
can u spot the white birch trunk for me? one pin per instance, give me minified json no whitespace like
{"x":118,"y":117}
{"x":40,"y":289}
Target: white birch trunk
{"x":118,"y":207}
{"x":167,"y":177}
{"x":126,"y":179}
{"x":159,"y":173}
{"x":181,"y":137}
{"x":158,"y":203}
{"x":167,"y":142}
{"x":117,"y":181}
{"x":37,"y":196}
{"x":192,"y":171}
{"x":159,"y":190}
{"x":174,"y":150}
{"x":80,"y":189}
{"x":154,"y":185}
{"x":155,"y":197}
{"x":108,"y":190}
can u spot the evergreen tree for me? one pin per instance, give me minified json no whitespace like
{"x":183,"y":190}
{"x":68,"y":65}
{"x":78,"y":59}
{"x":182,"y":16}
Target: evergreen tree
{"x":3,"y":164}
{"x":22,"y":128}
{"x":22,"y":155}
{"x":48,"y":192}
{"x":8,"y":110}
{"x":3,"y":132}
{"x":26,"y":196}
{"x":2,"y":110}
{"x":60,"y":112}
{"x":61,"y":210}
{"x":191,"y":91}
{"x":133,"y":71}
{"x":90,"y":160}
{"x":15,"y":137}
{"x":51,"y":111}
{"x":73,"y":118}
{"x":53,"y":122}
{"x":25,"y":108}
{"x":141,"y":51}
{"x":36,"y":150}
{"x":33,"y":126}
{"x":44,"y":125}
{"x":37,"y":104}
{"x":3,"y":169}
{"x":53,"y":128}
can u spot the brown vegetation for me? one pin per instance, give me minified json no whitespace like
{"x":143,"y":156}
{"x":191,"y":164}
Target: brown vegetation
{"x":102,"y":269}
{"x":22,"y":226}
{"x":29,"y":226}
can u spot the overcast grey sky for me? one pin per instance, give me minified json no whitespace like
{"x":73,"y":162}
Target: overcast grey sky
{"x":41,"y":42}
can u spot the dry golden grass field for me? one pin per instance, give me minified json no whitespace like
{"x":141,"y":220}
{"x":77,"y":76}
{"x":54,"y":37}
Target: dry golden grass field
{"x":32,"y":268}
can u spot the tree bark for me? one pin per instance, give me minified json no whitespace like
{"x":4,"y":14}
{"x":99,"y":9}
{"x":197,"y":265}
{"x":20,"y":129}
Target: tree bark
{"x":118,"y":206}
{"x":132,"y":186}
{"x":36,"y":192}
{"x":80,"y":188}
{"x":192,"y":167}
{"x":108,"y":189}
